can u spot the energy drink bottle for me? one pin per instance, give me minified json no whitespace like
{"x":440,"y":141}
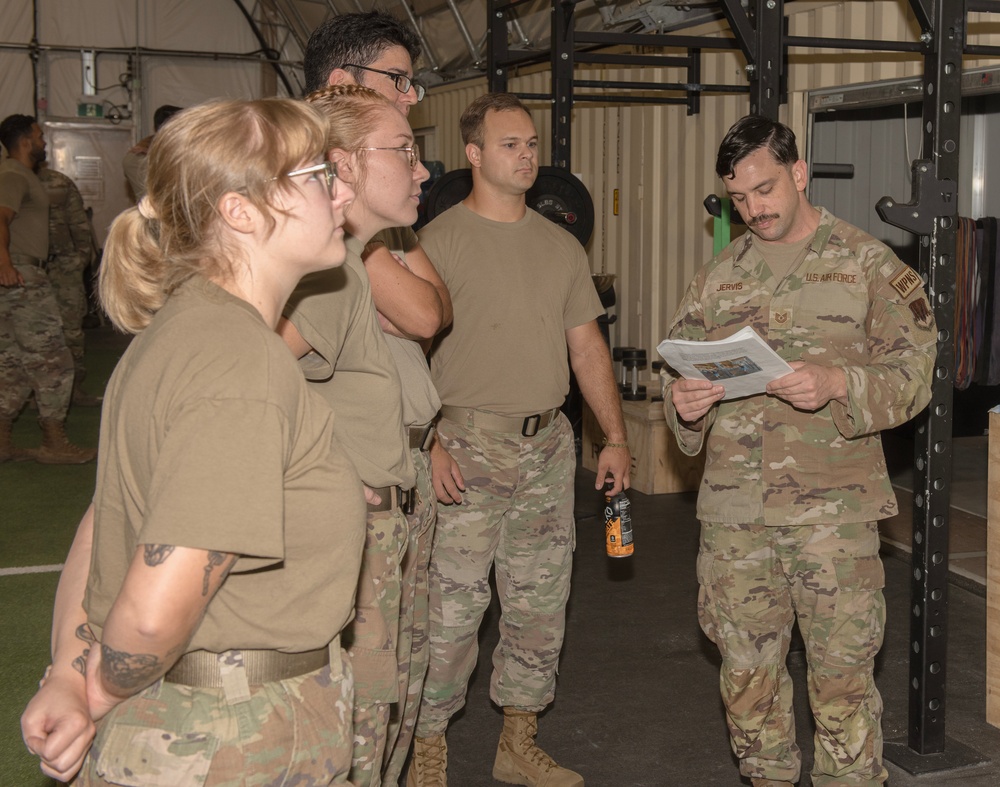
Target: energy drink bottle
{"x":617,"y":523}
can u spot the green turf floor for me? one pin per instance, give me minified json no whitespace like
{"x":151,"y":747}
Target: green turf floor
{"x":24,"y":652}
{"x":42,"y":505}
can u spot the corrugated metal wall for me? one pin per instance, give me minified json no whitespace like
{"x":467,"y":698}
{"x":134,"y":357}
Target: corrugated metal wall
{"x":662,"y":162}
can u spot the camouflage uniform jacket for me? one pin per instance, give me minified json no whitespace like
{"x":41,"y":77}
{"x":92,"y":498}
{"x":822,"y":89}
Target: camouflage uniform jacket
{"x":850,"y":302}
{"x":69,"y":227}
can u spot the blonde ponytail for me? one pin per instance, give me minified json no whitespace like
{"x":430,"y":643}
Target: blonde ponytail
{"x":203,"y":153}
{"x":130,"y":281}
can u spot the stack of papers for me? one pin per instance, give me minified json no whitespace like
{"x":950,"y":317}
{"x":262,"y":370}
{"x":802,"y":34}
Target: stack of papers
{"x":743,"y":363}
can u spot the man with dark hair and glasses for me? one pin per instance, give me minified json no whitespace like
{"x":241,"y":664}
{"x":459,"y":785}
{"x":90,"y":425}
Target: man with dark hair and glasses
{"x":412,"y":304}
{"x":372,"y":49}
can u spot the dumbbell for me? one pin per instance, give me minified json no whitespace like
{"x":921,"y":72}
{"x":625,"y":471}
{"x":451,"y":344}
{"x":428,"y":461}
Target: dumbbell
{"x":632,"y":361}
{"x":616,"y":356}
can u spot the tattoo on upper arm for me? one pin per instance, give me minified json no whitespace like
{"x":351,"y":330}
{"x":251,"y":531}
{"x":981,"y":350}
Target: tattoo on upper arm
{"x":216,"y":559}
{"x":128,"y":671}
{"x":155,"y":554}
{"x":84,"y":632}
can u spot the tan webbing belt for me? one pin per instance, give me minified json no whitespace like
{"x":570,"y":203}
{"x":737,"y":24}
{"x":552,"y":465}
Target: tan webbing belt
{"x":526,"y":426}
{"x":393,"y":497}
{"x":27,"y":259}
{"x":201,"y":667}
{"x":422,"y":436}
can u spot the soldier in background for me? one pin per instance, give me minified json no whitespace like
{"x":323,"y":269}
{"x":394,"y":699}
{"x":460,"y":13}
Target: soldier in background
{"x":33,"y":352}
{"x":71,"y":249}
{"x":795,"y":479}
{"x":134,"y":163}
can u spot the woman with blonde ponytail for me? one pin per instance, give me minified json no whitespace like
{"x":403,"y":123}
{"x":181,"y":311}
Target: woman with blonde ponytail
{"x":206,"y":647}
{"x":331,"y":321}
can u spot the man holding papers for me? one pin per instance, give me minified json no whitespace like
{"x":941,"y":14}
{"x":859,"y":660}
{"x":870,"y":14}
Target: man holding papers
{"x":795,"y":479}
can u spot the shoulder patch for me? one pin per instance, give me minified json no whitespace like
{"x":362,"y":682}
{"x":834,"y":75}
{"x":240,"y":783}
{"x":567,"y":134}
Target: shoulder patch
{"x":906,"y":281}
{"x":921,"y":312}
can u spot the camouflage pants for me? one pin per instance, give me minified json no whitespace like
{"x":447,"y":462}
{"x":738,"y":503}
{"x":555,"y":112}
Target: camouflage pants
{"x":516,"y":513}
{"x":754,"y":581}
{"x":371,"y":640}
{"x":413,"y":647}
{"x":66,"y":276}
{"x":33,"y":354}
{"x":295,"y":731}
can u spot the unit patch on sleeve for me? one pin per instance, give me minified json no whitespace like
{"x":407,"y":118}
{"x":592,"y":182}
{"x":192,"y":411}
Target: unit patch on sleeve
{"x":906,"y":282}
{"x":921,"y":312}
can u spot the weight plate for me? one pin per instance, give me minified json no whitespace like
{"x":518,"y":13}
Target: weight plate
{"x":450,"y":189}
{"x":562,"y":198}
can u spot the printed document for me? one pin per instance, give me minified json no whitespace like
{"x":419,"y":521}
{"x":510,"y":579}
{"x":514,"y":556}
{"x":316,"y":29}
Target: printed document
{"x":743,"y":363}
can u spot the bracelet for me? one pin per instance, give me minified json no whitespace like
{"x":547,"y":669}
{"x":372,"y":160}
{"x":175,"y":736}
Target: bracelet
{"x":614,"y":445}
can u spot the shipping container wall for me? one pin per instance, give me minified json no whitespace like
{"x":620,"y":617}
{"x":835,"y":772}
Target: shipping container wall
{"x":661,"y":161}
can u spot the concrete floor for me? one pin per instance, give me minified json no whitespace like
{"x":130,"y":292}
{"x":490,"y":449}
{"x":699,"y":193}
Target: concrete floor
{"x":637,"y":703}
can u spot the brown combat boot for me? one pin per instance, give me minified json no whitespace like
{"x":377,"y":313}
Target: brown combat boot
{"x":80,"y":397}
{"x":57,"y":449}
{"x":429,"y":763}
{"x":520,"y":761}
{"x":83,"y":399}
{"x":8,"y":451}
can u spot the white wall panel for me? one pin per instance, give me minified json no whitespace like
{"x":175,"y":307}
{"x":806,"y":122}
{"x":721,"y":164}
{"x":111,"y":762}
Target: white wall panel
{"x":186,"y":25}
{"x":91,"y":23}
{"x":188,"y":82}
{"x":18,"y":95}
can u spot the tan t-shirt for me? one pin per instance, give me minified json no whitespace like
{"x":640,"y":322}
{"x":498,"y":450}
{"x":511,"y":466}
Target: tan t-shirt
{"x":334,"y":312}
{"x":420,"y":398}
{"x":211,"y":439}
{"x":516,"y":288}
{"x":134,"y":165}
{"x":23,"y":193}
{"x":782,"y":258}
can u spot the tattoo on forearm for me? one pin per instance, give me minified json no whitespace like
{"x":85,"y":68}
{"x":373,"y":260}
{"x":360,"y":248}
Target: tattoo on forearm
{"x":127,"y":671}
{"x":84,"y":632}
{"x":154,"y":554}
{"x":216,"y":559}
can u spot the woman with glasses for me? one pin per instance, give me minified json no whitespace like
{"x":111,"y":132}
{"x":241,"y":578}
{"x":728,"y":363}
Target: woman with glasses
{"x":227,"y":526}
{"x":333,"y":326}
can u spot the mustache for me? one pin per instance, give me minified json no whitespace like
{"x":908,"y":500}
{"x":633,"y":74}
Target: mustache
{"x":762,"y":218}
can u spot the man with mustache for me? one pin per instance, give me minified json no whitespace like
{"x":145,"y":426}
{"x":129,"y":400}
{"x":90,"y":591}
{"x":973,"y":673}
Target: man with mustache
{"x":795,"y":479}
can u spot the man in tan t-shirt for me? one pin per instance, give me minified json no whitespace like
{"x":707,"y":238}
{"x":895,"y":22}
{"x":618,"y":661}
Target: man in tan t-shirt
{"x":504,"y":462}
{"x":33,"y":352}
{"x":135,"y":162}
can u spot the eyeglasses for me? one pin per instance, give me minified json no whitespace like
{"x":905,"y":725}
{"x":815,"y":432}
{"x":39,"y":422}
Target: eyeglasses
{"x":329,"y":170}
{"x":412,"y":153}
{"x":403,"y":82}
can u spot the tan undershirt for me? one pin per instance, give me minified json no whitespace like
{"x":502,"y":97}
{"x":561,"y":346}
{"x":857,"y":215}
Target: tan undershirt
{"x":782,"y":257}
